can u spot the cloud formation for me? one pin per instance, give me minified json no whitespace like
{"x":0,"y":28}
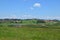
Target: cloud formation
{"x":13,"y":16}
{"x":37,"y":5}
{"x":27,"y":16}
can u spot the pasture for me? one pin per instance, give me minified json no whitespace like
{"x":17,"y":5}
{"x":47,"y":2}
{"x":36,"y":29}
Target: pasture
{"x":29,"y":33}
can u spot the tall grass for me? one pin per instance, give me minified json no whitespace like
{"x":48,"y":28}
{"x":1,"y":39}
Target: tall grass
{"x":29,"y":33}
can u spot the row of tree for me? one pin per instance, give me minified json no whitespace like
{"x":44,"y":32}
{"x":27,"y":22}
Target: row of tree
{"x":21,"y":20}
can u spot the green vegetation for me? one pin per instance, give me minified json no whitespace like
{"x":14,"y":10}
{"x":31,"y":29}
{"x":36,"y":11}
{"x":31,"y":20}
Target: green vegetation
{"x":29,"y":29}
{"x":26,"y":33}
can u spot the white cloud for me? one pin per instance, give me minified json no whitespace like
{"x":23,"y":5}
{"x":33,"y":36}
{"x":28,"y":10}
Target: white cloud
{"x":11,"y":16}
{"x":37,"y":5}
{"x":27,"y":16}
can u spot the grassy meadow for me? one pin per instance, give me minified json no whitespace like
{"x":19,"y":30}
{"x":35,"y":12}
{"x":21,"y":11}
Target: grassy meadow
{"x":29,"y":30}
{"x":29,"y":33}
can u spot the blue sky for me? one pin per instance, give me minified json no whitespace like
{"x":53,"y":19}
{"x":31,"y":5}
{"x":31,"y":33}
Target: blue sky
{"x":43,"y":9}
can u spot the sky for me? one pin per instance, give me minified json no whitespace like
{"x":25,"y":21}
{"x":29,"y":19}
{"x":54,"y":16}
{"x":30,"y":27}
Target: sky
{"x":27,"y":9}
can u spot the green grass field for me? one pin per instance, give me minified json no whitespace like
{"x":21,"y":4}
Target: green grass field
{"x":29,"y":33}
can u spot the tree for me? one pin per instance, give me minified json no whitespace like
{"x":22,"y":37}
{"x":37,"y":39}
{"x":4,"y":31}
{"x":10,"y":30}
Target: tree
{"x":40,"y":21}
